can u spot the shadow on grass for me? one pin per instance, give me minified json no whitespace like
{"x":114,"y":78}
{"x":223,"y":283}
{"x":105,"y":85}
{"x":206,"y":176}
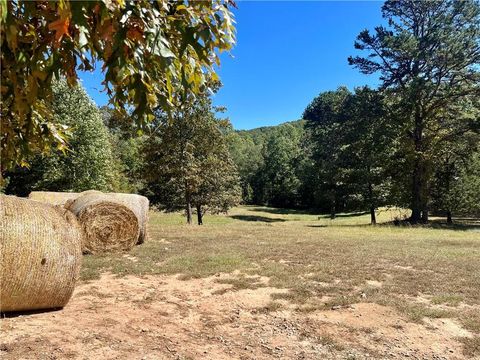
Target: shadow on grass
{"x":461,"y":224}
{"x":256,"y":218}
{"x":458,"y":224}
{"x":353,"y":214}
{"x":282,"y":211}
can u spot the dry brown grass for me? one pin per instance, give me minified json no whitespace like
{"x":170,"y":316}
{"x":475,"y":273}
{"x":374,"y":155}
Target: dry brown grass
{"x":424,"y":272}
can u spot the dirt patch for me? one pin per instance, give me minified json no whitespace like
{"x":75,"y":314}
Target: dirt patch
{"x":163,"y":317}
{"x":382,"y":329}
{"x":374,"y":283}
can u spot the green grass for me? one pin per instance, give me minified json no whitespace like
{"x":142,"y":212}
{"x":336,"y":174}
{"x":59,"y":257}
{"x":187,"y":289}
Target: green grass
{"x":314,"y":256}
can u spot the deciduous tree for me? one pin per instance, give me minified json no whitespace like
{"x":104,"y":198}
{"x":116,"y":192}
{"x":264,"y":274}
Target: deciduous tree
{"x":149,"y":51}
{"x":188,"y":163}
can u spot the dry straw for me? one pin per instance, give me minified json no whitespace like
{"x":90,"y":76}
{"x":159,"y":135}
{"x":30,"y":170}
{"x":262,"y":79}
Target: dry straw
{"x":109,"y":225}
{"x":54,"y":198}
{"x":40,"y":254}
{"x":139,"y":205}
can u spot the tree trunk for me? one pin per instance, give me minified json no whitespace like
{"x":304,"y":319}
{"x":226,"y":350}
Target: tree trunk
{"x":199,"y":215}
{"x":449,"y":217}
{"x":418,"y":201}
{"x":189,"y":213}
{"x":417,"y":190}
{"x":333,"y":210}
{"x":447,"y":190}
{"x":188,"y":208}
{"x":425,"y":215}
{"x":373,"y":218}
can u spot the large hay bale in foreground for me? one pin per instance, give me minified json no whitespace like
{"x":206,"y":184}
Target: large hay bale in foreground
{"x":109,"y":225}
{"x":54,"y":198}
{"x":139,"y":205}
{"x":40,"y":254}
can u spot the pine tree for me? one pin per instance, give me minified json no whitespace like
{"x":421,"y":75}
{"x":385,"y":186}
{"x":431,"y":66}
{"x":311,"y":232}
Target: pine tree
{"x":428,"y":58}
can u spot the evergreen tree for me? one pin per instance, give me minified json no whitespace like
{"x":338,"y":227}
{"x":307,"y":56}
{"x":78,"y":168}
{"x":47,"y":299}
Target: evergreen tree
{"x":428,"y":57}
{"x":455,"y":161}
{"x":368,"y":139}
{"x":89,"y":162}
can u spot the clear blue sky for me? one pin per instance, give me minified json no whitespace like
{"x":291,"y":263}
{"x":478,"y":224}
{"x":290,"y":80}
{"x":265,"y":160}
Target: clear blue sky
{"x":287,"y":53}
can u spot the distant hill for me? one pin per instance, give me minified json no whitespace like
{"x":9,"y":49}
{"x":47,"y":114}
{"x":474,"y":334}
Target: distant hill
{"x":261,"y":134}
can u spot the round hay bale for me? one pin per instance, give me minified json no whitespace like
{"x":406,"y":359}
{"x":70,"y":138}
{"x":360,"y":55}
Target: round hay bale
{"x":88,"y":192}
{"x":139,"y":205}
{"x":40,"y":254}
{"x":54,"y":198}
{"x":109,"y":225}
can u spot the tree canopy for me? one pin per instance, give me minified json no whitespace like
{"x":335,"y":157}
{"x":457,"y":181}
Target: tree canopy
{"x":150,"y":53}
{"x":428,"y":59}
{"x":188,"y":164}
{"x":89,"y":163}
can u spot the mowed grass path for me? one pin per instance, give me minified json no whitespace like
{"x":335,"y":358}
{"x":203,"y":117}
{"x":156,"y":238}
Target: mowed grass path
{"x":423,"y":272}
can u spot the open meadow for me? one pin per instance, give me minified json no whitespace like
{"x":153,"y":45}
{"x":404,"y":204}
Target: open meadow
{"x":155,"y":158}
{"x":268,"y":283}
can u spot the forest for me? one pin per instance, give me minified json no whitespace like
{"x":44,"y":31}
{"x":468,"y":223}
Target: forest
{"x":413,"y":142}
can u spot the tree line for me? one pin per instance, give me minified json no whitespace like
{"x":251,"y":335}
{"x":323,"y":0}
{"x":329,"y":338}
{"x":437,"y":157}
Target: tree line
{"x":180,"y":160}
{"x":347,"y":156}
{"x":412,"y":142}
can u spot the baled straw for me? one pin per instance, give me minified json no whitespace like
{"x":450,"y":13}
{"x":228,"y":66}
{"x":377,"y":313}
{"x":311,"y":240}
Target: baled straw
{"x":108,"y":224}
{"x":54,"y":198}
{"x":40,"y":254}
{"x":139,"y":205}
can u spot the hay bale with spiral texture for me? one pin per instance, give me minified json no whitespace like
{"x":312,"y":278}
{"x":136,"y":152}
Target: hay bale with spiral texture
{"x":109,"y":225}
{"x":54,"y":198}
{"x":139,"y":205}
{"x":40,"y":254}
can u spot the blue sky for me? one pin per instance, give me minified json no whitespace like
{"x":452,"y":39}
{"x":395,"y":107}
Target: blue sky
{"x":287,"y":53}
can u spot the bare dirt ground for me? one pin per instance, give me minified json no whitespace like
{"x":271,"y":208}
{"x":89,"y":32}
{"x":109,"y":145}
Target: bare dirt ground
{"x":167,"y":317}
{"x":264,"y":283}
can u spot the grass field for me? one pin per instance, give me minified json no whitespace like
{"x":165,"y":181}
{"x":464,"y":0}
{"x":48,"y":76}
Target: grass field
{"x":422,"y":272}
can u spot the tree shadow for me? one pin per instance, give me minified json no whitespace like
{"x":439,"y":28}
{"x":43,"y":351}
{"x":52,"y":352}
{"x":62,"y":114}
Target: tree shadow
{"x":459,"y":224}
{"x":347,"y":215}
{"x":14,"y":314}
{"x":282,"y":211}
{"x":462,"y":224}
{"x":256,"y":218}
